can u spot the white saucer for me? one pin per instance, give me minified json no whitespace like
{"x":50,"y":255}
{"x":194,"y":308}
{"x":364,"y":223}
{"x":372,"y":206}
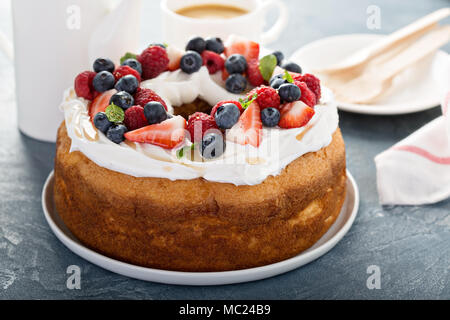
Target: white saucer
{"x":418,"y":88}
{"x":327,"y":242}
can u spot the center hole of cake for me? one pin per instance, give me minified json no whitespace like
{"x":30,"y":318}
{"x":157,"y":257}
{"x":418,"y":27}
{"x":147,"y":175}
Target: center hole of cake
{"x":198,"y":105}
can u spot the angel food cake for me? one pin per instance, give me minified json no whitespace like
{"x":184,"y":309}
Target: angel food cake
{"x":212,"y":158}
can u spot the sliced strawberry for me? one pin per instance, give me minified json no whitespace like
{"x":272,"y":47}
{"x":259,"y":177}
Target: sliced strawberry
{"x":167,"y":134}
{"x":248,"y":130}
{"x":249,"y":49}
{"x":225,"y":74}
{"x":100,"y":103}
{"x":174,"y":55}
{"x":295,"y":115}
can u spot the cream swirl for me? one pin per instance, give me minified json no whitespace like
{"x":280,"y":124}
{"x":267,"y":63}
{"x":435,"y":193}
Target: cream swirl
{"x":239,"y":165}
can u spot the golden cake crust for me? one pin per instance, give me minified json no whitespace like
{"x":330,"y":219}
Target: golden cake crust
{"x":199,"y":225}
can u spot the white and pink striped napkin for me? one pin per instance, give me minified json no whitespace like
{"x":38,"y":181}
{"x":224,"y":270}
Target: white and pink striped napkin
{"x":416,"y":170}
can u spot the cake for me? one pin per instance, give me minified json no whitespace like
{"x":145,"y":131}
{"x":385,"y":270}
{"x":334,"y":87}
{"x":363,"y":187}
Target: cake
{"x":212,"y":158}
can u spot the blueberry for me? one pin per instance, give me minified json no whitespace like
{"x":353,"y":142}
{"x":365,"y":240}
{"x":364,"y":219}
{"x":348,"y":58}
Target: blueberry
{"x":103,"y":64}
{"x":196,"y":44}
{"x":279,"y":55}
{"x":133,"y":63}
{"x":128,"y":83}
{"x":227,"y":115}
{"x":116,"y":133}
{"x":155,"y":112}
{"x":157,"y":45}
{"x":103,"y":81}
{"x":270,"y":117}
{"x":236,"y":63}
{"x":236,"y":83}
{"x":276,"y":83}
{"x":278,"y":76}
{"x":215,"y":45}
{"x":191,"y":62}
{"x":289,"y":92}
{"x":122,"y":99}
{"x":101,"y":122}
{"x":213,"y":145}
{"x":291,"y":66}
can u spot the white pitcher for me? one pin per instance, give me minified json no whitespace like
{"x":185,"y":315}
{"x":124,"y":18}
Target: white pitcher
{"x":54,"y":40}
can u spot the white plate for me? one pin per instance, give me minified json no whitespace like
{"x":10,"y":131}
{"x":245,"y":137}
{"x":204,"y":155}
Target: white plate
{"x":327,"y":242}
{"x":418,"y":88}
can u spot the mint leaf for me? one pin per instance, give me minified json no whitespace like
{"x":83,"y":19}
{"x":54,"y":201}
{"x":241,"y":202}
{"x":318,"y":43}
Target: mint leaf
{"x":128,"y":55}
{"x":287,"y":76}
{"x":266,"y":65}
{"x":248,"y":101}
{"x":115,"y":113}
{"x":180,"y":153}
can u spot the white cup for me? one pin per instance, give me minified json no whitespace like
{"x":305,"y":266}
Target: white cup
{"x":54,"y":40}
{"x":177,"y":29}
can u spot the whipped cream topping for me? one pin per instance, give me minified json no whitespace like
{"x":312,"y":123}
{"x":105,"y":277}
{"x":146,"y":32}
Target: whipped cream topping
{"x":239,"y":165}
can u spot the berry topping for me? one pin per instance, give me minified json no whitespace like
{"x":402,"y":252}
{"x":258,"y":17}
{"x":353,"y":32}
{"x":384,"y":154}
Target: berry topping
{"x":116,"y":133}
{"x":213,"y":145}
{"x":248,"y":130}
{"x":277,"y":82}
{"x":100,"y":103}
{"x":127,"y":83}
{"x":154,"y":112}
{"x":103,"y":64}
{"x":191,"y":62}
{"x":227,"y":115}
{"x":167,"y":134}
{"x":249,"y":49}
{"x":144,"y":96}
{"x":134,"y":64}
{"x":83,"y":85}
{"x":236,"y":63}
{"x":291,"y":66}
{"x":312,"y":82}
{"x":198,"y":124}
{"x":122,"y":99}
{"x":236,"y":83}
{"x":289,"y":92}
{"x":307,"y":95}
{"x":197,"y":44}
{"x":174,"y":55}
{"x":103,"y":81}
{"x":267,"y":97}
{"x":236,"y":103}
{"x":154,"y":61}
{"x":295,"y":115}
{"x":124,"y":70}
{"x":279,"y":55}
{"x":213,"y":61}
{"x":215,"y":45}
{"x":101,"y":122}
{"x":254,"y":74}
{"x":135,"y":118}
{"x":270,"y":117}
{"x":158,"y":45}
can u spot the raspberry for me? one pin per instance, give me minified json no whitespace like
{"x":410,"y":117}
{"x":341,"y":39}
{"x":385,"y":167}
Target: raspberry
{"x":198,"y":124}
{"x":83,"y":85}
{"x":154,"y":61}
{"x":254,"y":75}
{"x":267,"y":97}
{"x":308,"y":97}
{"x":214,"y":109}
{"x":124,"y":71}
{"x":144,"y":96}
{"x":135,"y":118}
{"x":212,"y":61}
{"x":313,"y":84}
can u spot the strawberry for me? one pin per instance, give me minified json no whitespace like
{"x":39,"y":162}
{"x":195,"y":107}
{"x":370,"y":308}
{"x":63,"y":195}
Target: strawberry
{"x":225,"y":74}
{"x":295,"y":115}
{"x":307,"y":96}
{"x":214,"y":109}
{"x":249,"y":49}
{"x":167,"y":134}
{"x":144,"y":96}
{"x":174,"y":54}
{"x":100,"y":103}
{"x":253,"y":73}
{"x":248,"y":130}
{"x":124,"y":71}
{"x":213,"y":61}
{"x":83,"y":85}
